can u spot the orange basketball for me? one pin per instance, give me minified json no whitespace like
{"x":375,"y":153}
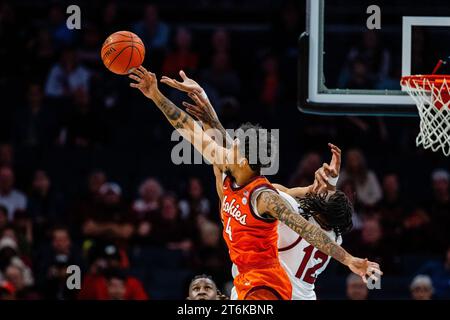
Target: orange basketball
{"x":122,"y":51}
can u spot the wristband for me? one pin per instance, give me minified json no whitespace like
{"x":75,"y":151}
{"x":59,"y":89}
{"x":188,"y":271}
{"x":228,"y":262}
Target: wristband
{"x":333,"y":181}
{"x":204,"y":95}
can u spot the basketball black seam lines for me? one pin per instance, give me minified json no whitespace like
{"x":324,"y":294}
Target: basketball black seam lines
{"x":131,"y":55}
{"x":140,"y":56}
{"x":109,"y":44}
{"x":118,"y":54}
{"x":125,"y":35}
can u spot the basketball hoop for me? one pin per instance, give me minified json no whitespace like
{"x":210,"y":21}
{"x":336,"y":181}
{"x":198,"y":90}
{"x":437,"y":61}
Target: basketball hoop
{"x":431,"y":94}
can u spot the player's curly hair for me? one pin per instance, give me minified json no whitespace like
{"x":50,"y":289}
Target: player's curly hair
{"x":334,"y":213}
{"x":264,"y":145}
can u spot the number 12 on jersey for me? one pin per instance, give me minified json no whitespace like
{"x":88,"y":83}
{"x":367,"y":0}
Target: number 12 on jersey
{"x":309,"y":275}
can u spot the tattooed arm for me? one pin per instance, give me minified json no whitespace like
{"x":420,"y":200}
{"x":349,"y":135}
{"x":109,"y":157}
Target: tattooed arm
{"x":273,"y":204}
{"x":203,"y":109}
{"x":146,"y":82}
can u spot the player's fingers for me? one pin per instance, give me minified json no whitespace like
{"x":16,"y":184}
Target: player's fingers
{"x":142,"y":69}
{"x":187,"y":104}
{"x":136,"y":78}
{"x":314,"y":186}
{"x":321,"y":183}
{"x":134,"y":85}
{"x":138,"y":72}
{"x":135,"y":72}
{"x":322,"y":172}
{"x":334,"y":147}
{"x":183,"y":75}
{"x":194,"y":113}
{"x":196,"y":99}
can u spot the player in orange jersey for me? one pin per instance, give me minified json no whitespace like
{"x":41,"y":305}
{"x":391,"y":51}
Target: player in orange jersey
{"x":250,"y":205}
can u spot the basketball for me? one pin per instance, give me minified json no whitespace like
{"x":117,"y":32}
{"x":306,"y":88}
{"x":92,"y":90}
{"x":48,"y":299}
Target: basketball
{"x":122,"y":51}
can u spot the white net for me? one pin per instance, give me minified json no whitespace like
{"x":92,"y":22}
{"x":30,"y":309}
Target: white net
{"x":432,"y":97}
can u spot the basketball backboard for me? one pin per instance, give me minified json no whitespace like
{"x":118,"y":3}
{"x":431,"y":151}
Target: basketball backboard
{"x":354,"y":53}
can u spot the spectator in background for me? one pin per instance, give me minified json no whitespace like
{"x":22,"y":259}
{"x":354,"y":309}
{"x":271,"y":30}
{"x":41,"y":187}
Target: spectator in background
{"x":61,"y":35}
{"x":348,"y":187}
{"x":304,"y":174}
{"x":110,"y":219}
{"x":7,"y":291}
{"x":149,"y":202}
{"x":392,"y":206}
{"x":270,"y":83}
{"x":116,"y":285}
{"x":153,"y":32}
{"x":110,"y":19}
{"x":286,"y":29}
{"x":356,"y":288}
{"x":41,"y":52}
{"x":90,"y":42}
{"x":45,"y":205}
{"x":54,"y":286}
{"x":84,"y":126}
{"x":9,"y":256}
{"x":3,"y":218}
{"x":421,"y":288}
{"x":6,"y":155}
{"x":221,"y":76}
{"x":370,"y":242}
{"x":439,"y":206}
{"x":60,"y":252}
{"x":182,"y":57}
{"x":359,"y":77}
{"x":11,"y":198}
{"x":23,"y":284}
{"x":220,"y":42}
{"x":210,"y":253}
{"x":196,"y":204}
{"x":367,"y":63}
{"x":106,"y":265}
{"x":34,"y":125}
{"x":412,"y":230}
{"x":67,"y":76}
{"x":368,"y":190}
{"x":169,"y":230}
{"x":440,"y":275}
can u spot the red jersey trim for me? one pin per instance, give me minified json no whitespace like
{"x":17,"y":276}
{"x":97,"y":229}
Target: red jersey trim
{"x":243,"y":186}
{"x":272,"y":290}
{"x":289,"y":247}
{"x":268,"y":186}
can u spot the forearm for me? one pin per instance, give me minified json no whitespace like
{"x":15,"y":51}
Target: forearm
{"x":273,"y":204}
{"x":176,"y":116}
{"x":315,"y":236}
{"x":189,"y":129}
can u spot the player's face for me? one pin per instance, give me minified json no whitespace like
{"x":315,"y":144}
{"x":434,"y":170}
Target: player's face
{"x":233,"y":157}
{"x":203,"y":289}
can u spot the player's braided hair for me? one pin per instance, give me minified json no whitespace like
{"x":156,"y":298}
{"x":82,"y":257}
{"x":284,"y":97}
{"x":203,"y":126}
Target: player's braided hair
{"x":255,"y":149}
{"x":334,"y":213}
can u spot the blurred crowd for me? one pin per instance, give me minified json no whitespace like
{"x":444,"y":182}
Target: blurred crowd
{"x":85,"y":171}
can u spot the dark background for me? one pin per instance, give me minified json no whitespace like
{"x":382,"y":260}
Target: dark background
{"x":61,"y":146}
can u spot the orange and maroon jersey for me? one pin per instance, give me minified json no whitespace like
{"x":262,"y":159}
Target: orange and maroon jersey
{"x":252,"y":240}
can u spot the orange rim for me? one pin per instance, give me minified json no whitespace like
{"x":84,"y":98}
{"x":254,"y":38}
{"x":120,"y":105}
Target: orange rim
{"x":425,"y":82}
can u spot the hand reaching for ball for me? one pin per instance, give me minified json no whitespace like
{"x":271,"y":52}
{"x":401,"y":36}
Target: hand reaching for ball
{"x":146,"y":82}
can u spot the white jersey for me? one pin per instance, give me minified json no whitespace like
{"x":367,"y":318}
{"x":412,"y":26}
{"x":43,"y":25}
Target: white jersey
{"x":301,"y":261}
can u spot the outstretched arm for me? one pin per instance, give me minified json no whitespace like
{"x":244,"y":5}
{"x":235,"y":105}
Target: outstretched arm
{"x":272,"y":203}
{"x":202,"y":110}
{"x":323,"y":177}
{"x":146,"y":82}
